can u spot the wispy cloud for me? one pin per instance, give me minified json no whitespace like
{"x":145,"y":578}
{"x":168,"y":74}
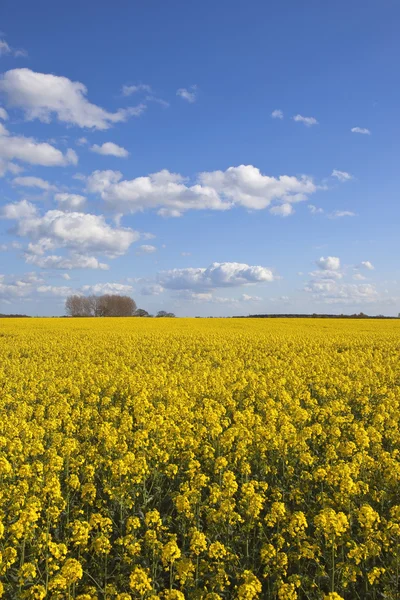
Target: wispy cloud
{"x":341,"y":175}
{"x":128,"y":90}
{"x":362,"y":130}
{"x":277,"y":114}
{"x":190,"y":95}
{"x":308,"y":121}
{"x":337,"y":214}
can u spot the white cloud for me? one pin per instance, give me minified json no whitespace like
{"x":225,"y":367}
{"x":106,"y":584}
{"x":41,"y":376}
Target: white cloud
{"x":110,"y":149}
{"x":341,"y":175}
{"x":35,"y":153}
{"x":152,"y":290}
{"x":314,"y":210}
{"x":186,"y":254}
{"x":247,"y":298}
{"x":66,"y":276}
{"x":366,"y":264}
{"x":337,"y":214}
{"x":42,"y":96}
{"x":277,"y":114}
{"x":282,"y":210}
{"x":188,"y":95}
{"x":18,"y":210}
{"x":6,"y":167}
{"x":3,"y":114}
{"x":216,"y":275}
{"x":68,"y":201}
{"x":128,"y":90}
{"x":54,"y":290}
{"x":74,"y":230}
{"x":359,"y":277}
{"x":75,"y":261}
{"x":6,"y":49}
{"x":33,"y":182}
{"x":107,"y":288}
{"x":164,"y":190}
{"x":159,"y":101}
{"x":332,"y":292}
{"x":216,"y":190}
{"x":146,"y":249}
{"x":362,"y":130}
{"x":82,"y":141}
{"x":308,"y":121}
{"x":247,"y":186}
{"x":330,"y":263}
{"x":17,"y":289}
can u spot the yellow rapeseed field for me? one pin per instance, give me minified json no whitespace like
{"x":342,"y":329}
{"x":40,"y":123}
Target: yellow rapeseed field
{"x":199,"y":459}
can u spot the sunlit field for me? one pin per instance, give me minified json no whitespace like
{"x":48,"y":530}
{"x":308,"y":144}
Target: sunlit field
{"x":199,"y":459}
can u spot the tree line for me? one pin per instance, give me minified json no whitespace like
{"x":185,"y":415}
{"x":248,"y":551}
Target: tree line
{"x":107,"y":305}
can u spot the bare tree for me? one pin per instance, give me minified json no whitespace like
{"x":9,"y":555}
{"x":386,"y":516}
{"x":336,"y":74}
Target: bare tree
{"x":77,"y":306}
{"x":107,"y":305}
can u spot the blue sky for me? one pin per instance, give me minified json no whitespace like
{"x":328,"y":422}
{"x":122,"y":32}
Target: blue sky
{"x":208,"y":158}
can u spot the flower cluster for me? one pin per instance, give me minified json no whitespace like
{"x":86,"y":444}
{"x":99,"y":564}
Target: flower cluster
{"x":199,"y":459}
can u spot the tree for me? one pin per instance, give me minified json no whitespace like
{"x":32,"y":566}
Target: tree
{"x":78,"y":306}
{"x":163,"y":313}
{"x":107,"y":305}
{"x":140,"y":312}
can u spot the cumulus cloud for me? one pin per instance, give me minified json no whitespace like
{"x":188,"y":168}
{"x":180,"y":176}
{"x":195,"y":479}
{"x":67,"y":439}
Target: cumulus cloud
{"x":341,"y":175}
{"x":308,"y":121}
{"x":332,"y":292}
{"x":190,"y":95}
{"x":277,"y":114}
{"x":164,"y":190}
{"x":362,"y":130}
{"x":18,"y":210}
{"x":68,"y":201}
{"x":217,"y":275}
{"x":110,"y":149}
{"x":282,"y":210}
{"x":171,"y":194}
{"x":43,"y":96}
{"x":330,"y":263}
{"x":30,"y":151}
{"x":3,"y":114}
{"x":359,"y":277}
{"x":33,"y":182}
{"x":128,"y":90}
{"x":73,"y":230}
{"x":247,"y":186}
{"x":66,"y":276}
{"x":75,"y":261}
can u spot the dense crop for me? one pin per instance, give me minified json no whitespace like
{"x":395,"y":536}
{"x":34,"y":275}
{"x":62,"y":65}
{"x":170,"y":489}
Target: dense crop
{"x":199,"y":459}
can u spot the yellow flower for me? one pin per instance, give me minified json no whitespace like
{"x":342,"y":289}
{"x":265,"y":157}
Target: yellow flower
{"x":170,"y":552}
{"x":198,"y":542}
{"x":139,"y":581}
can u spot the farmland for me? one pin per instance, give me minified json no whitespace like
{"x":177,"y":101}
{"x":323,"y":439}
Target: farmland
{"x":199,"y":459}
